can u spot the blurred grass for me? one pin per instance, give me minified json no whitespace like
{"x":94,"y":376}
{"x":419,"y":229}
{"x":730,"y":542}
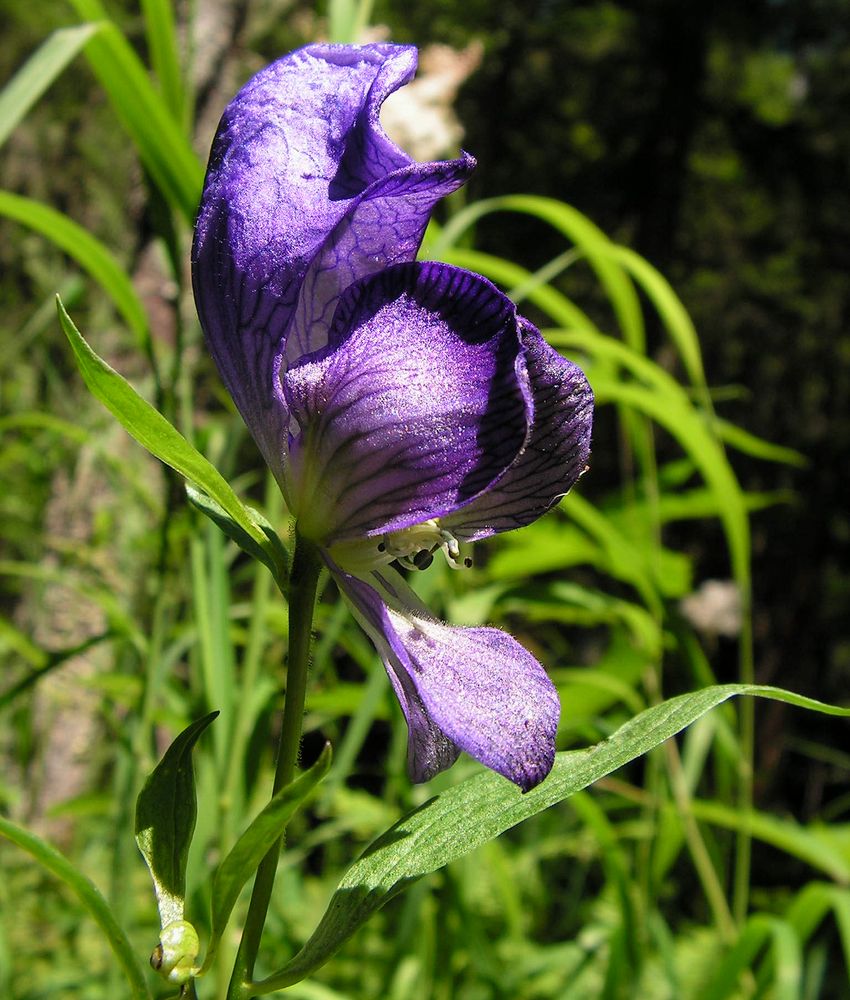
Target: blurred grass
{"x":126,"y":614}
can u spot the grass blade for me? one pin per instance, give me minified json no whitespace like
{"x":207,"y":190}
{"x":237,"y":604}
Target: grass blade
{"x":669,"y":307}
{"x":38,"y":72}
{"x":89,"y":895}
{"x":164,"y":53}
{"x":577,"y":228}
{"x":163,"y":146}
{"x":757,"y":447}
{"x":88,"y":252}
{"x":557,"y":307}
{"x":241,"y":863}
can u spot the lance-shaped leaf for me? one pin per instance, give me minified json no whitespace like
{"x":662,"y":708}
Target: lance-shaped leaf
{"x":274,"y":555}
{"x":255,"y":843}
{"x":150,"y":428}
{"x":166,"y":810}
{"x":479,"y":809}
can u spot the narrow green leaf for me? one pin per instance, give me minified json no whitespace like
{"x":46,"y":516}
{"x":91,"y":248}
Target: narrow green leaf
{"x":118,"y":619}
{"x":687,"y":427}
{"x":165,"y":56}
{"x":812,"y":904}
{"x":479,"y":809}
{"x":669,"y":307}
{"x":13,"y":638}
{"x":255,"y":843}
{"x":545,"y":274}
{"x":592,"y":242}
{"x":162,"y":144}
{"x":39,"y":420}
{"x":596,"y":247}
{"x":750,"y":444}
{"x":666,"y":402}
{"x":626,"y":561}
{"x":688,"y":505}
{"x":274,"y":555}
{"x":811,"y":843}
{"x":760,"y":930}
{"x":166,"y":810}
{"x":38,"y":72}
{"x":563,"y":601}
{"x":341,"y":17}
{"x":88,"y":252}
{"x":684,"y":422}
{"x":557,"y":307}
{"x":89,"y":895}
{"x":550,"y":545}
{"x":47,"y":662}
{"x":150,"y":428}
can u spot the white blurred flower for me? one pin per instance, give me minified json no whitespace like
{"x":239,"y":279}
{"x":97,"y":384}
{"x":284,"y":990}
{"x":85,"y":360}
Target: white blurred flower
{"x":715,"y":608}
{"x":420,"y":117}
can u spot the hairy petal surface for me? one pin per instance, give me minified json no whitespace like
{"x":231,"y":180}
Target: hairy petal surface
{"x":304,"y":193}
{"x":555,"y":453}
{"x":418,"y":403}
{"x":472,"y":689}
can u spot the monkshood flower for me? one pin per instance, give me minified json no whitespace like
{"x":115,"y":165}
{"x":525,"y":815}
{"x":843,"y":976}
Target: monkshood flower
{"x":404,"y":408}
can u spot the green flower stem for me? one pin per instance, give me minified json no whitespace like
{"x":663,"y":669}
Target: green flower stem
{"x":250,"y":673}
{"x":744,"y":840}
{"x":706,"y":872}
{"x":303,"y":583}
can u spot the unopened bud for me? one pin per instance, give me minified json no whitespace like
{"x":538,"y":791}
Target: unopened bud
{"x":174,"y":956}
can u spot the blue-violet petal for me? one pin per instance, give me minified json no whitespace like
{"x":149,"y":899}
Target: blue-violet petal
{"x":418,"y":403}
{"x":304,"y":194}
{"x":473,"y":689}
{"x":554,"y":455}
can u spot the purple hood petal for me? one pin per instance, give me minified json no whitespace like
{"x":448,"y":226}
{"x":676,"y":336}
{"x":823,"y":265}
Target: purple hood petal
{"x":304,"y":194}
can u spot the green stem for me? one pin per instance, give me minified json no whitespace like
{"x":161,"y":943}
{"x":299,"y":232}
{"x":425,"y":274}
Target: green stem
{"x":706,"y":872}
{"x":744,"y":840}
{"x":303,"y":582}
{"x":252,"y":661}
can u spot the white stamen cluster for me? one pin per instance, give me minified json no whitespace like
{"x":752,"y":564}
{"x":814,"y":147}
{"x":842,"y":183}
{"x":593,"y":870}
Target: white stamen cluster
{"x":414,"y":547}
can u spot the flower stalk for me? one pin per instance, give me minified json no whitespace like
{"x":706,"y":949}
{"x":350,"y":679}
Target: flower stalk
{"x":303,"y":585}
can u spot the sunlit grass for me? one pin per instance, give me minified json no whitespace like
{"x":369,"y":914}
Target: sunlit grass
{"x":638,"y":887}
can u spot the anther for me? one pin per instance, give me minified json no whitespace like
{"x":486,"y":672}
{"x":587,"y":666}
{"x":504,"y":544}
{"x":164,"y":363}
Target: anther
{"x":423,"y":559}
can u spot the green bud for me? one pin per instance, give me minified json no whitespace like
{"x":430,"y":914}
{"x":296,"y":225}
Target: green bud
{"x":174,"y":956}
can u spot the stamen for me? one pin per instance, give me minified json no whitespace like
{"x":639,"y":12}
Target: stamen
{"x":423,"y":559}
{"x":412,"y":547}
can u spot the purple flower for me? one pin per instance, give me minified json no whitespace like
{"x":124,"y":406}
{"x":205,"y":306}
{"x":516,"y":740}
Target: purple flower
{"x":403,"y":407}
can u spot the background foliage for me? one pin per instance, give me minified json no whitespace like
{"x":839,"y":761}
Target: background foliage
{"x":714,"y":142}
